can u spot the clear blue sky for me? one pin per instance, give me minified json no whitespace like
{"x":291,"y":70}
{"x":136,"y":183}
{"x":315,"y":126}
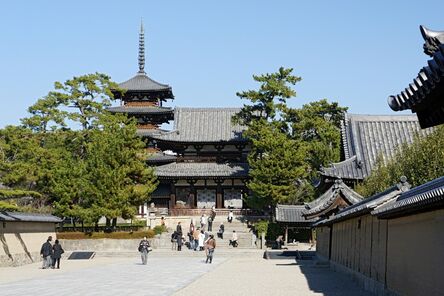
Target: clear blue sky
{"x":348,"y":51}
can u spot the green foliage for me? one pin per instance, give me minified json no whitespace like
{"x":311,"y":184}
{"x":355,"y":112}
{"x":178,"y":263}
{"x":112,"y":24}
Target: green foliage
{"x":97,"y":170}
{"x":100,"y":235}
{"x":159,"y":229}
{"x":288,"y":146}
{"x":9,"y":194}
{"x":8,"y":206}
{"x":420,"y":162}
{"x":261,"y":227}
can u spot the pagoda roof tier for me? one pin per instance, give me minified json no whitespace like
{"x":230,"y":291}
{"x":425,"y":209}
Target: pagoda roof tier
{"x":202,"y":170}
{"x":161,"y":157}
{"x":366,"y":138}
{"x":150,"y":132}
{"x":141,"y":110}
{"x":424,"y":96}
{"x":204,"y":125}
{"x":337,"y":196}
{"x":144,"y":85}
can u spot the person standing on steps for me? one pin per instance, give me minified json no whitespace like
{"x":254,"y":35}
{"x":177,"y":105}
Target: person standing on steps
{"x":57,"y":252}
{"x":46,"y":252}
{"x":201,"y":240}
{"x":233,"y":240}
{"x":210,"y":223}
{"x":211,"y":245}
{"x":203,"y":222}
{"x":220,"y":232}
{"x":144,"y":249}
{"x":179,"y":235}
{"x":196,"y":234}
{"x":230,"y":217}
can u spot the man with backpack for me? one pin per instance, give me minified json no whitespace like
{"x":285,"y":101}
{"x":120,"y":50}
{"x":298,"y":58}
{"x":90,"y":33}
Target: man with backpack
{"x":144,"y":249}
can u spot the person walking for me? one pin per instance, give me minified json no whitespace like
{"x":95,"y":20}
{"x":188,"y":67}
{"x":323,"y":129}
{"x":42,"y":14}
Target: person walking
{"x":211,"y":245}
{"x":221,"y":230}
{"x":179,"y":235}
{"x":190,"y":234}
{"x":144,"y":249}
{"x":201,"y":240}
{"x":46,"y":252}
{"x":57,"y":252}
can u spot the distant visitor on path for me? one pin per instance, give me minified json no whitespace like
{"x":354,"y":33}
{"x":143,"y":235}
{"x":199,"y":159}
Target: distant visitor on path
{"x":230,"y":217}
{"x":210,"y":223}
{"x":233,"y":240}
{"x":220,"y":232}
{"x":144,"y":249}
{"x":46,"y":252}
{"x":179,"y":236}
{"x":196,"y":234}
{"x":211,"y":245}
{"x":201,"y":240}
{"x":203,"y":221}
{"x":57,"y":252}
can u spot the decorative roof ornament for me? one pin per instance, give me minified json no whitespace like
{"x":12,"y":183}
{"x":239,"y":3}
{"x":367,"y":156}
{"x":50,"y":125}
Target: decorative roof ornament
{"x":433,"y":39}
{"x":141,"y":49}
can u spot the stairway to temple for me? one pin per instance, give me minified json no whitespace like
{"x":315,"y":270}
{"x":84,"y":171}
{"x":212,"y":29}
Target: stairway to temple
{"x":239,"y":224}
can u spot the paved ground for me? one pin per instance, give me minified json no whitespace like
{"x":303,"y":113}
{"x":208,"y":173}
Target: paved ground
{"x":245,"y":274}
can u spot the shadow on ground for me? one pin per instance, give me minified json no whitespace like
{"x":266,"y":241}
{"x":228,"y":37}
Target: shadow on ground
{"x":319,"y":276}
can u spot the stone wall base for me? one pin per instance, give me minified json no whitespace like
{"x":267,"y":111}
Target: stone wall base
{"x":368,"y":284}
{"x":19,"y":259}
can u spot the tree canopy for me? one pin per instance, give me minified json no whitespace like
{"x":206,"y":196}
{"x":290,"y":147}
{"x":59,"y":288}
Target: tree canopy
{"x":288,"y":145}
{"x":84,"y":161}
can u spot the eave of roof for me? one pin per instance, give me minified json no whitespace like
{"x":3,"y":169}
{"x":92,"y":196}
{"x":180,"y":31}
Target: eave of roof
{"x":291,"y":214}
{"x":141,"y":110}
{"x":141,"y":82}
{"x":425,"y":197}
{"x":326,"y":200}
{"x":28,"y":217}
{"x":189,"y":170}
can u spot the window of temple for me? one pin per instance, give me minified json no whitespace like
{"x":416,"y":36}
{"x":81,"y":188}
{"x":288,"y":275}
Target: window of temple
{"x":233,"y":198}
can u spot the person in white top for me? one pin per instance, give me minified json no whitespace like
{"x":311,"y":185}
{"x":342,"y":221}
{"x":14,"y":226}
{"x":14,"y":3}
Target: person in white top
{"x":233,"y":240}
{"x":230,"y":217}
{"x":203,"y":221}
{"x":201,"y":240}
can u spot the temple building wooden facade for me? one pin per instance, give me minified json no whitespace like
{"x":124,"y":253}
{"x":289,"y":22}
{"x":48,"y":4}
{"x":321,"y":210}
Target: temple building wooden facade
{"x":201,"y":162}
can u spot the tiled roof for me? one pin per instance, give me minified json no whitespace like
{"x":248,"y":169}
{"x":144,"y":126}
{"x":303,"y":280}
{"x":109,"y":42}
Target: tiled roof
{"x":367,"y":204}
{"x":424,"y":95}
{"x":140,"y":110}
{"x":202,"y":170}
{"x":424,"y":197}
{"x":291,"y":214}
{"x":367,"y":137}
{"x":28,"y":217}
{"x":141,"y":82}
{"x":204,"y":125}
{"x":161,"y":157}
{"x":326,"y":200}
{"x":150,"y":132}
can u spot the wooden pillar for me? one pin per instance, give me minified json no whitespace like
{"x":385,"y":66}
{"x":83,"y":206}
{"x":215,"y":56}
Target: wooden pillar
{"x":219,"y":202}
{"x":192,"y":196}
{"x":173,"y":195}
{"x":286,"y":235}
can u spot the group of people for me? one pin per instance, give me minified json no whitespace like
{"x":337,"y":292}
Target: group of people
{"x":51,"y":254}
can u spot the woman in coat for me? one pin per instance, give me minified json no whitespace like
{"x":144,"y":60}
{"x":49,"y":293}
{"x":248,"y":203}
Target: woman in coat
{"x":57,"y":252}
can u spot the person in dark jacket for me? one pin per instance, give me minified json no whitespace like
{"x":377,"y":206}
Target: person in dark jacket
{"x":144,"y":249}
{"x":57,"y":252}
{"x":220,"y":232}
{"x":46,"y":252}
{"x":179,"y":236}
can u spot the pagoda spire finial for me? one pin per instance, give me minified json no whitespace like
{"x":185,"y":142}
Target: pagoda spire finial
{"x":141,"y":48}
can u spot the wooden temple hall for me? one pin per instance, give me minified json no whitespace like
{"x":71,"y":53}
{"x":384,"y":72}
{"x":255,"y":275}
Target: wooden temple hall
{"x":201,"y":161}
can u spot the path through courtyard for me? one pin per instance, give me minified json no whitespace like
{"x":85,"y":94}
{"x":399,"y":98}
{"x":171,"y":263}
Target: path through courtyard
{"x":247,"y":274}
